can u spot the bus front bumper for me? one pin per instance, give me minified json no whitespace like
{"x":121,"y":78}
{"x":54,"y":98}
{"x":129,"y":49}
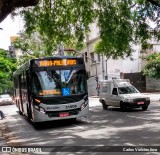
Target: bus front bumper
{"x":60,"y":115}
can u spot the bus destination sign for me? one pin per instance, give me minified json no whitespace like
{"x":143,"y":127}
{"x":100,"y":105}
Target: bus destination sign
{"x":63,"y":62}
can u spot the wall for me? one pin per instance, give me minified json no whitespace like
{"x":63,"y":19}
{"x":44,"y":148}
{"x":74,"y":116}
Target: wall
{"x":137,"y":79}
{"x":92,"y":84}
{"x":152,"y":84}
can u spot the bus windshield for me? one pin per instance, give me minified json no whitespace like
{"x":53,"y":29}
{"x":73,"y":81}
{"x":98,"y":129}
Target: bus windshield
{"x":63,"y":82}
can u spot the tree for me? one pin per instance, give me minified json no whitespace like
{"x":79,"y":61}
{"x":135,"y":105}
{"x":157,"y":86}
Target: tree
{"x":152,"y":67}
{"x":155,"y":2}
{"x":124,"y":23}
{"x":30,"y":46}
{"x":59,"y":21}
{"x":7,"y":6}
{"x":7,"y":67}
{"x":121,"y":23}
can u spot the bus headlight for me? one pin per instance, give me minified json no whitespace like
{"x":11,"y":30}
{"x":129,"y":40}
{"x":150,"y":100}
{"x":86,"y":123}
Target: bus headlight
{"x":40,"y":109}
{"x":36,"y":107}
{"x":83,"y":105}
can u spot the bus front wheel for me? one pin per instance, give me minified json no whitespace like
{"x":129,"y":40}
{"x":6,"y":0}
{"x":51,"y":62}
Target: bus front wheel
{"x":36,"y":125}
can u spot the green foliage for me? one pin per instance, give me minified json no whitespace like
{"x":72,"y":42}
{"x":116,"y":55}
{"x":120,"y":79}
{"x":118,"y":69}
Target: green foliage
{"x":121,"y":23}
{"x":59,"y":21}
{"x":7,"y":67}
{"x":31,"y":47}
{"x":152,"y":67}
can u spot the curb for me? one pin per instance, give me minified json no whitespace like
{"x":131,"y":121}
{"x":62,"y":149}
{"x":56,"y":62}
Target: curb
{"x":93,"y":96}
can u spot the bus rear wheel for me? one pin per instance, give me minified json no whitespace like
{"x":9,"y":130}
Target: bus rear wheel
{"x":19,"y":111}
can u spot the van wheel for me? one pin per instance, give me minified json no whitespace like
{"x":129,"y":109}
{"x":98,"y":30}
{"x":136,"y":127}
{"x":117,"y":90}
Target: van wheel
{"x":105,"y":107}
{"x":123,"y":106}
{"x":144,"y":107}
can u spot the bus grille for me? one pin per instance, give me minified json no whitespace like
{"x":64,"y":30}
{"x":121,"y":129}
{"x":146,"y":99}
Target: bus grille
{"x":56,"y":113}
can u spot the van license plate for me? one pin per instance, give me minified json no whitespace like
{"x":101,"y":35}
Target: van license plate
{"x":140,"y":102}
{"x":64,"y":114}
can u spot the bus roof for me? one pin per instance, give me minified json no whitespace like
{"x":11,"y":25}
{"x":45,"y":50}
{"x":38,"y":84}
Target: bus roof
{"x":54,"y":57}
{"x":27,"y":64}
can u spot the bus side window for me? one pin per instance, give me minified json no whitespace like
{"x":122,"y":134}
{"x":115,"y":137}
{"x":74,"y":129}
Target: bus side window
{"x":35,"y":84}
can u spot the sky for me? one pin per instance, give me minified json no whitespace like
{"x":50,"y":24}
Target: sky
{"x":11,"y":27}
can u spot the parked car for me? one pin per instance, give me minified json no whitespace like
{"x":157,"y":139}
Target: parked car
{"x":5,"y":99}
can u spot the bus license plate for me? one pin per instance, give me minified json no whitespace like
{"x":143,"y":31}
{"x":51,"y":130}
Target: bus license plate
{"x":64,"y":114}
{"x":140,"y":102}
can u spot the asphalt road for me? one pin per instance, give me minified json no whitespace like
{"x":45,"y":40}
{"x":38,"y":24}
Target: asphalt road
{"x":103,"y":128}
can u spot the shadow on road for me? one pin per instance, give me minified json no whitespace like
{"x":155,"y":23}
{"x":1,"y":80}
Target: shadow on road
{"x":110,"y":127}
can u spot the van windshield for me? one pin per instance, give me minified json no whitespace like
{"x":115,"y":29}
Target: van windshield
{"x":127,"y":90}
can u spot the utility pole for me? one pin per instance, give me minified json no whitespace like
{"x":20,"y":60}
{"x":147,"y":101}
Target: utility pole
{"x":96,"y":78}
{"x":60,"y":49}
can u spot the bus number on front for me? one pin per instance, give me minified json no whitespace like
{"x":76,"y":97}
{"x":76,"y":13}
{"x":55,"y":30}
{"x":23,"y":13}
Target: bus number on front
{"x":71,"y":106}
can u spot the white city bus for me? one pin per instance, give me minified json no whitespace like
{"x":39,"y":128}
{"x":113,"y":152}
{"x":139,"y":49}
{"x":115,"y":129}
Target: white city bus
{"x":52,"y":88}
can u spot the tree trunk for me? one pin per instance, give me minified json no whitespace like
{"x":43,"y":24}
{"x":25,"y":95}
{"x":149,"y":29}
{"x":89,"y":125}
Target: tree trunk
{"x":7,"y":6}
{"x":155,"y":2}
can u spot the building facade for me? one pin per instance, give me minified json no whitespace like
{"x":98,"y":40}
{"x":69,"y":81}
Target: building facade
{"x":99,"y":66}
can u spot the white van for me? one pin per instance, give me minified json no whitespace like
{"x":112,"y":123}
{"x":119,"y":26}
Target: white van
{"x":120,"y":93}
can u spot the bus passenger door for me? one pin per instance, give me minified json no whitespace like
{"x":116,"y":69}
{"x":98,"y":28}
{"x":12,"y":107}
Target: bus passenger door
{"x":20,"y":104}
{"x":29,"y":94}
{"x":23,"y":89}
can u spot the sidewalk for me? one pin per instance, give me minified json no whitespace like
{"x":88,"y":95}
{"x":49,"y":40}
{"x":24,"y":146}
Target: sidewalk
{"x":2,"y":138}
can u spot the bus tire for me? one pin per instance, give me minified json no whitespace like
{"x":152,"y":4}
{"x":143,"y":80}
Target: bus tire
{"x":105,"y":107}
{"x":19,"y":111}
{"x":28,"y":113}
{"x":36,"y":125}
